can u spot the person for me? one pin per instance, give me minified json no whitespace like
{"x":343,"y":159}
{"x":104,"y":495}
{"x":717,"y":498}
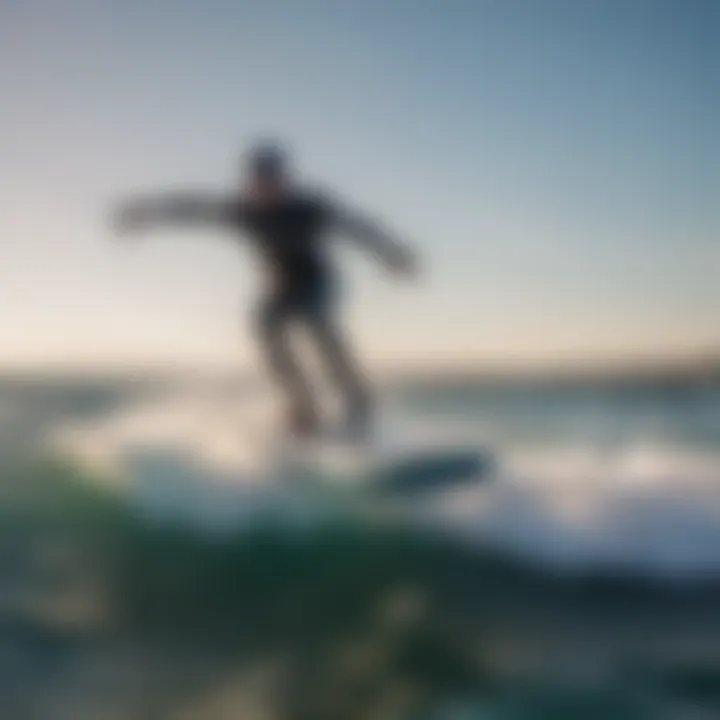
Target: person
{"x":289,"y":226}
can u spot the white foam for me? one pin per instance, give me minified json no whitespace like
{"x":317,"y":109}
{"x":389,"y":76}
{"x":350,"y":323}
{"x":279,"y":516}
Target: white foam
{"x":650,"y":509}
{"x":646,"y":506}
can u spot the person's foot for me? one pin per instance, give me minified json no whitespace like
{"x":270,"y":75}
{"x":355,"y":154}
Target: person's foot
{"x":303,"y":423}
{"x":358,"y":423}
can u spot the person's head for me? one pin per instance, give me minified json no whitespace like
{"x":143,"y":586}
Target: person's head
{"x":266,"y":170}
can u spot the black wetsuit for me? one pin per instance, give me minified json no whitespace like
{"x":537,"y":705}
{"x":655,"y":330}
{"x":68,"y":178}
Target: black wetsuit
{"x":289,"y":236}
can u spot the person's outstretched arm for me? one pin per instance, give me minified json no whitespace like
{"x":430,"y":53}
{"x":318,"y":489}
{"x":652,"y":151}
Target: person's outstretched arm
{"x":373,"y":237}
{"x":147,"y":212}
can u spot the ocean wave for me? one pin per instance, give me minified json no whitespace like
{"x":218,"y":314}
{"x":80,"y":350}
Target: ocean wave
{"x":640,"y":505}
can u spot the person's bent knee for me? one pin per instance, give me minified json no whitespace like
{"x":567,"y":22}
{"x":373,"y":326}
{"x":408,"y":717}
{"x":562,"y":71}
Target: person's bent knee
{"x":268,"y":323}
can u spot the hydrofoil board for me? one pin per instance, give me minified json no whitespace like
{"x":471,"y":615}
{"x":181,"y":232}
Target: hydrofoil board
{"x":385,"y":468}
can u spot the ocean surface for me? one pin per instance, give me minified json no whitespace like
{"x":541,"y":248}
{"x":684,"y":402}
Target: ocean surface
{"x":108,"y":611}
{"x":615,"y":473}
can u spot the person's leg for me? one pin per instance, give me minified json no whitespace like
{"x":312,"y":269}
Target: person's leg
{"x":336,"y":354}
{"x":274,"y":317}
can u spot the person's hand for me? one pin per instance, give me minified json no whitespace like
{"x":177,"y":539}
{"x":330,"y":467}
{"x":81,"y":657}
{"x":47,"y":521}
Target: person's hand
{"x":127,"y":219}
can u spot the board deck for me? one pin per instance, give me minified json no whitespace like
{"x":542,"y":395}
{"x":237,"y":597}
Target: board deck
{"x":428,"y":471}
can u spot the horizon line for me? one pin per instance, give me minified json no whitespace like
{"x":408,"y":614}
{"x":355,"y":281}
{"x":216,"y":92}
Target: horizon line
{"x":598,"y":365}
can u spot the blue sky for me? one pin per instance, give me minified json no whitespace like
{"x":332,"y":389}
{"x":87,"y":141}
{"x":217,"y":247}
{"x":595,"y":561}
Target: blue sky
{"x":557,"y":163}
